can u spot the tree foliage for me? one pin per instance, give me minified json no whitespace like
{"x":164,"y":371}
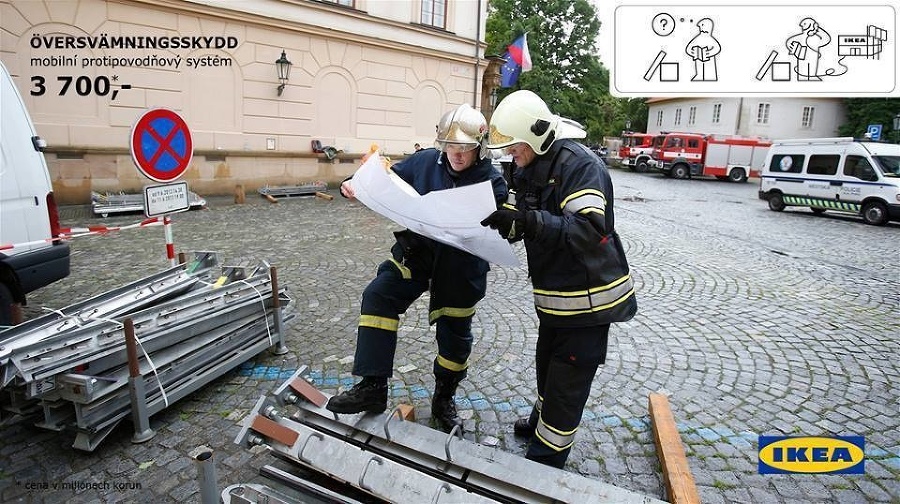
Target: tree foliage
{"x":862,"y":112}
{"x":562,"y":37}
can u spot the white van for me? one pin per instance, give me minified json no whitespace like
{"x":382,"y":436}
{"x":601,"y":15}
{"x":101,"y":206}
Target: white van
{"x":840,"y":174}
{"x":30,"y":258}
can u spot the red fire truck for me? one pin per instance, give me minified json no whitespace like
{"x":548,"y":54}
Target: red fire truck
{"x":685,"y":155}
{"x":635,"y":150}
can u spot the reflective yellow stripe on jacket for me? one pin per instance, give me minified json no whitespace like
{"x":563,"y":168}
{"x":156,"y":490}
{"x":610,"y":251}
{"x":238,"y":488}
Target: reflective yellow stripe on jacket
{"x":584,"y":202}
{"x":581,"y":301}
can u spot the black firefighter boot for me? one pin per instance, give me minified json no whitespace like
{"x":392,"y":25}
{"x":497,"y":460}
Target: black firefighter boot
{"x":443,"y":406}
{"x":525,"y":427}
{"x":369,"y":395}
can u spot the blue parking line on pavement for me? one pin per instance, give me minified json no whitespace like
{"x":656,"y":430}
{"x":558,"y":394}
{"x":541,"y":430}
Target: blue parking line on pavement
{"x":520,"y":402}
{"x":480,"y":404}
{"x":708,"y":434}
{"x":264,"y":372}
{"x":502,"y":406}
{"x":612,"y":421}
{"x":638,"y":423}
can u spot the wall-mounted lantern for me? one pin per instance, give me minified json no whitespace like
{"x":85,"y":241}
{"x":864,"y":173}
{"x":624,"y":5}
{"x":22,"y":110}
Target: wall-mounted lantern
{"x":283,"y":67}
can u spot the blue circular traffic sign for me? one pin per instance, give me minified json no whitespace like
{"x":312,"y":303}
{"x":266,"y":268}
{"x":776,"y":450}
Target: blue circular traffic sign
{"x":161,"y":145}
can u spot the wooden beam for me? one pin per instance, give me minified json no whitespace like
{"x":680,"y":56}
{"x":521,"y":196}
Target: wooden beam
{"x":680,"y":485}
{"x":274,"y":430}
{"x":310,"y":393}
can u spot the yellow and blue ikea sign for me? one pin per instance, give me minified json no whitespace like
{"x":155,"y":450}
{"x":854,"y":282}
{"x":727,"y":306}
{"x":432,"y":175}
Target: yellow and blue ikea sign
{"x":812,"y":454}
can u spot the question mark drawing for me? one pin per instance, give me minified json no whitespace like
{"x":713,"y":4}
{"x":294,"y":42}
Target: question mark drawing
{"x":663,"y":24}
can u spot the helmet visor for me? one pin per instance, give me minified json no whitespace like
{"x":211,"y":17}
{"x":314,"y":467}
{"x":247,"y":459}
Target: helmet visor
{"x":455,"y":148}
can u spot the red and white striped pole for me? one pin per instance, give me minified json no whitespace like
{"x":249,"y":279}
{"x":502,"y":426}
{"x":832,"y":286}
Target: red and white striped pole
{"x":170,"y":244}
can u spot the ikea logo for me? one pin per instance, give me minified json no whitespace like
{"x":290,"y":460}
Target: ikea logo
{"x":802,"y":454}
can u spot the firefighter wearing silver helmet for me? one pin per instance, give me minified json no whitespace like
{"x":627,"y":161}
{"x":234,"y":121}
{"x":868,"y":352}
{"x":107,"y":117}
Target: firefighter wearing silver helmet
{"x":461,"y":130}
{"x":456,"y":280}
{"x":581,"y":281}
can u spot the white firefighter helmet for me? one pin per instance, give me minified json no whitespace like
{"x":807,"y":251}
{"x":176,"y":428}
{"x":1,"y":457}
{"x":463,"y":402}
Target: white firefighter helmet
{"x":524,"y":117}
{"x":462,"y":129}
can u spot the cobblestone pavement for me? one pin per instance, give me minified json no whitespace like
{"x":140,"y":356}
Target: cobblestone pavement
{"x":754,"y":322}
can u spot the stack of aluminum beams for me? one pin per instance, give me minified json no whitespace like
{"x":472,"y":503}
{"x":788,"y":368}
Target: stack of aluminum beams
{"x":308,"y":189}
{"x":401,"y":461}
{"x":192,"y":324}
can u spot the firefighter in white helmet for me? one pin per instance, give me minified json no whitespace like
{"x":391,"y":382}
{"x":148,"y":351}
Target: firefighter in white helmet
{"x":456,"y":280}
{"x":563,"y":211}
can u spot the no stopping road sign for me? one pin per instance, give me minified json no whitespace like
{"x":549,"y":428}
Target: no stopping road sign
{"x":161,"y":145}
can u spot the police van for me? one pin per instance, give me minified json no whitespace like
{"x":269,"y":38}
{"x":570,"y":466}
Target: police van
{"x":839,"y":174}
{"x":30,"y":255}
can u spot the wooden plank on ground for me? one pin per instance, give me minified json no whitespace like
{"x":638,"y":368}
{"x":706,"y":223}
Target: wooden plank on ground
{"x":679,"y":481}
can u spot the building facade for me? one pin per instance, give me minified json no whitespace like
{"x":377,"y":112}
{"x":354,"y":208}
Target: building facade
{"x":362,"y":72}
{"x":773,"y":118}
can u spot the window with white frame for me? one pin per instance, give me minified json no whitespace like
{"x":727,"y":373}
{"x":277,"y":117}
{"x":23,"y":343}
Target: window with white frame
{"x":659,"y":117}
{"x":807,"y":120}
{"x":677,"y":116}
{"x":346,"y":3}
{"x":692,"y":115}
{"x":762,"y":113}
{"x":434,"y":13}
{"x":717,"y":113}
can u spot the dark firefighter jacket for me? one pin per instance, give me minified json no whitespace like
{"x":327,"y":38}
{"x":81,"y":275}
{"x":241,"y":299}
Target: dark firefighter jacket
{"x":576,"y":261}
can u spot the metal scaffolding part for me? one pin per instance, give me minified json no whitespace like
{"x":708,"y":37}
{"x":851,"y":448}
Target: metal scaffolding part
{"x":99,"y":345}
{"x":138,"y":359}
{"x":402,"y":461}
{"x":308,"y":189}
{"x":108,"y":305}
{"x":251,"y":493}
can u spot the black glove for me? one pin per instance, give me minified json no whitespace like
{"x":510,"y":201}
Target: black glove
{"x":508,"y":221}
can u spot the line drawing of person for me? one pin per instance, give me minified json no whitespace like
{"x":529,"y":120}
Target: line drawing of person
{"x":703,"y":49}
{"x":806,"y":47}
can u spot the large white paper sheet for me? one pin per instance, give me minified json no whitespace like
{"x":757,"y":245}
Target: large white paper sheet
{"x":451,"y":216}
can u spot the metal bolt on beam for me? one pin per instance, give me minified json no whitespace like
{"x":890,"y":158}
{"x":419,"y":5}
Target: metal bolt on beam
{"x":254,"y":440}
{"x":271,"y":412}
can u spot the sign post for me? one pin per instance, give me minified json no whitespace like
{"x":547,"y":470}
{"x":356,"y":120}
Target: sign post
{"x":162,"y":148}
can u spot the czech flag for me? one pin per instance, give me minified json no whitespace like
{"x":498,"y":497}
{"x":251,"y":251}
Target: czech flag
{"x":518,"y":60}
{"x":518,"y":50}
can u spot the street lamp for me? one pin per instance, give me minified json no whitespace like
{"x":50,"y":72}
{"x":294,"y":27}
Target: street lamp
{"x":283,"y":68}
{"x":494,"y":102}
{"x":897,"y":127}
